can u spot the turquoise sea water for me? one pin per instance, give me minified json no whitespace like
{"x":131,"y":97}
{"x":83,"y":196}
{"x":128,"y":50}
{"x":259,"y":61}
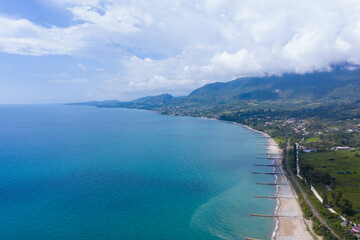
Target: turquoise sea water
{"x":70,"y":172}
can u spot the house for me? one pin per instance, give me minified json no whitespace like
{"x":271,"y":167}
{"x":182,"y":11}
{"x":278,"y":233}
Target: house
{"x":306,"y":149}
{"x":355,"y":229}
{"x":341,"y":148}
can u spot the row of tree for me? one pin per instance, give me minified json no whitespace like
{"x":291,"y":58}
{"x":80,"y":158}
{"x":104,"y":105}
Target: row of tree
{"x":315,"y":176}
{"x":339,"y":201}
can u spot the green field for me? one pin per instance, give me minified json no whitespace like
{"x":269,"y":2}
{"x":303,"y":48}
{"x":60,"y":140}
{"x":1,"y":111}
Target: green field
{"x":280,"y":140}
{"x":313,"y":139}
{"x":344,"y":169}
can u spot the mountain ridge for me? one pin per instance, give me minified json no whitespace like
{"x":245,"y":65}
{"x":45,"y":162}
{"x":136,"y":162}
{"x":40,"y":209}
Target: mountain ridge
{"x":339,"y":85}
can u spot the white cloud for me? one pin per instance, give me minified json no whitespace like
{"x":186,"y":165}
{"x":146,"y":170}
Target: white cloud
{"x":175,"y":46}
{"x":71,"y":81}
{"x":82,"y":67}
{"x":20,"y":36}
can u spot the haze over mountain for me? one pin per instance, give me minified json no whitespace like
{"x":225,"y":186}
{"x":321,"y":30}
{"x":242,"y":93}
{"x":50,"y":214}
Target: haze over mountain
{"x":339,"y":85}
{"x":333,"y":85}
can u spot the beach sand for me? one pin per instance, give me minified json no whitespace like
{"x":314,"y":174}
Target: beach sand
{"x":291,"y":225}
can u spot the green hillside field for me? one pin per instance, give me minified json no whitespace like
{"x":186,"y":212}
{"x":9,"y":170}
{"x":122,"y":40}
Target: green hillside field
{"x":344,"y":169}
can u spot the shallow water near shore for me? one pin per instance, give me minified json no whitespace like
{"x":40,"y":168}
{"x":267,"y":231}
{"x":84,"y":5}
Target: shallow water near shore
{"x":71,"y":172}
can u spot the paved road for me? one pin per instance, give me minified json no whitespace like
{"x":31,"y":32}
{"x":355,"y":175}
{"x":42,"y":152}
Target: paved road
{"x":312,"y":208}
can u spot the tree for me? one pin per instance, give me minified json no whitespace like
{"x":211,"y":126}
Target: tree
{"x":325,"y":200}
{"x":326,"y":178}
{"x":337,"y":196}
{"x":346,"y":207}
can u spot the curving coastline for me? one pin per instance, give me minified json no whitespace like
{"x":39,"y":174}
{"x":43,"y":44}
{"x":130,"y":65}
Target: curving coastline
{"x":291,"y":225}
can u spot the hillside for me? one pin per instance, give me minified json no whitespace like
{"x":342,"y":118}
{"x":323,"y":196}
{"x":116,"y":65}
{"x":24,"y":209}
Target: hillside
{"x":287,"y":92}
{"x":335,"y":85}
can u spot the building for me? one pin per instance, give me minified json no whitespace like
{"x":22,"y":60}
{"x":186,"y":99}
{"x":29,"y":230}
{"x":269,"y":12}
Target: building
{"x":355,"y":230}
{"x":341,"y":148}
{"x":306,"y":149}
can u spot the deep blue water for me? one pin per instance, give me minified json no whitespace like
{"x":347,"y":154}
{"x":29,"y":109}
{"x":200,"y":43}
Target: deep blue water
{"x":71,"y":172}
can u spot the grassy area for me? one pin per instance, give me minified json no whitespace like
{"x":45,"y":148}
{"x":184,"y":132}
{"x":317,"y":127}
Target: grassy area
{"x":331,"y":219}
{"x":280,"y":140}
{"x":313,"y":139}
{"x":344,"y":169}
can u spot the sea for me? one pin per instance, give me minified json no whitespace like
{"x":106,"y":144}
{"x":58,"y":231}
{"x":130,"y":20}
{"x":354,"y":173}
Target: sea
{"x":79,"y":172}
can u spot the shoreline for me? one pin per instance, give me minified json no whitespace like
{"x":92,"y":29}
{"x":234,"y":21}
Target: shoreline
{"x":271,"y":151}
{"x":291,"y":225}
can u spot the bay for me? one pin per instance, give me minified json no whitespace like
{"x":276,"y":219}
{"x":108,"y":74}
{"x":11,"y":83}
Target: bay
{"x":74,"y":172}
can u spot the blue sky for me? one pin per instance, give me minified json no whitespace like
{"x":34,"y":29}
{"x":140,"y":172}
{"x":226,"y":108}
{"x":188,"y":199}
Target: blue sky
{"x":65,"y":51}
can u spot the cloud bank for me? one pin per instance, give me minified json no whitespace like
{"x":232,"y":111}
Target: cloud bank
{"x":175,"y":46}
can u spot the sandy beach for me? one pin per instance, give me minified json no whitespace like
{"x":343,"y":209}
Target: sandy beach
{"x":290,"y":224}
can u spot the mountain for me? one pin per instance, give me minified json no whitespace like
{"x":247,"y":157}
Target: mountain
{"x":145,"y":102}
{"x":339,"y":85}
{"x":335,"y":85}
{"x":106,"y":103}
{"x":154,"y":100}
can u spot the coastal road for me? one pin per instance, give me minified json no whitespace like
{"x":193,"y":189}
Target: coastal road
{"x":312,"y":208}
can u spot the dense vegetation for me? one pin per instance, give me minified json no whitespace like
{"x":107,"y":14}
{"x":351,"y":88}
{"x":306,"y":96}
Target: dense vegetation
{"x":339,"y":85}
{"x":339,"y":172}
{"x":332,"y":219}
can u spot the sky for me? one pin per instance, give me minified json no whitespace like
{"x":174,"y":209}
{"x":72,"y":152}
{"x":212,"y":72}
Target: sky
{"x":55,"y":51}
